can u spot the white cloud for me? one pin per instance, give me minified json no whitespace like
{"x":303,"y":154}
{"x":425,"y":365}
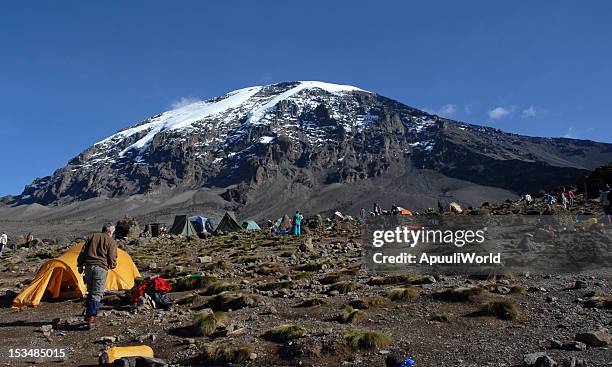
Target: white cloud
{"x":182,"y":102}
{"x":447,"y":110}
{"x":498,"y":112}
{"x":467,"y":109}
{"x":571,"y":133}
{"x":530,"y":112}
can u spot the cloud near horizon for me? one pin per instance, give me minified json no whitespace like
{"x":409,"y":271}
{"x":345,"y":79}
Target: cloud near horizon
{"x":498,"y":112}
{"x":448,"y":110}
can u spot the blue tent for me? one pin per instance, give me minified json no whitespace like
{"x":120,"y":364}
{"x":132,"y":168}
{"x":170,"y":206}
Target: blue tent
{"x":250,"y":225}
{"x":201,"y":224}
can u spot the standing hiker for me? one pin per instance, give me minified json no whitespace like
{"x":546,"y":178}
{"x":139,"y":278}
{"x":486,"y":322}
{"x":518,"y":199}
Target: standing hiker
{"x":604,"y":198}
{"x":564,"y":200}
{"x":570,"y":197}
{"x":377,"y":210}
{"x":99,"y":254}
{"x":549,"y":199}
{"x":3,"y":241}
{"x":297,"y":223}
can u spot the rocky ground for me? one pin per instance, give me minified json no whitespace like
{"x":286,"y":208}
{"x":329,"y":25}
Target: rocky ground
{"x":270,"y":300}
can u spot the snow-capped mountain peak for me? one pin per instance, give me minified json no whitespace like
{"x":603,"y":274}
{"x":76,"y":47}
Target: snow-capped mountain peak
{"x":307,"y":134}
{"x":237,"y":100}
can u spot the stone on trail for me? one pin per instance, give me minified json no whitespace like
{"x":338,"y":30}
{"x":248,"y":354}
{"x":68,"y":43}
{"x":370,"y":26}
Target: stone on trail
{"x":545,"y":361}
{"x":574,"y":346}
{"x":531,"y":358}
{"x":107,"y":339}
{"x":599,"y":338}
{"x":307,"y":245}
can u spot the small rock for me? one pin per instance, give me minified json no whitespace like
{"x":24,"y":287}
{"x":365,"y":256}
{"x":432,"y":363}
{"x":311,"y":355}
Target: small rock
{"x":205,"y":259}
{"x":107,"y":339}
{"x":531,"y":358}
{"x":555,"y":344}
{"x":599,"y":338}
{"x":46,"y":328}
{"x":189,"y":341}
{"x":307,"y":245}
{"x":253,"y":356}
{"x":545,"y":361}
{"x":575,"y":346}
{"x":502,"y":290}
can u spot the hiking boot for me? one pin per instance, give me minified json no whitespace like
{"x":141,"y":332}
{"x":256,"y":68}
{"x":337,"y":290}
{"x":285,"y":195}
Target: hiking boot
{"x":91,"y":322}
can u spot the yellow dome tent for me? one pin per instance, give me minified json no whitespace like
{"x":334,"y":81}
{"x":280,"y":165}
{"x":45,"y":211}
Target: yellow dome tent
{"x":60,"y":278}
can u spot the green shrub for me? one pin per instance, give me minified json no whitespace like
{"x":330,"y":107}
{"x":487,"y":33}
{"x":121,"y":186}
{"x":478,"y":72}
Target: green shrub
{"x":358,"y":339}
{"x":206,"y":323}
{"x":351,"y":315}
{"x":503,"y":309}
{"x":222,"y":355}
{"x":407,"y":293}
{"x":284,"y":333}
{"x":459,"y":294}
{"x":343,"y":287}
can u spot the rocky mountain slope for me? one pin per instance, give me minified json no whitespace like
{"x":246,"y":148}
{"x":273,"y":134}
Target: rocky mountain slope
{"x":315,"y":144}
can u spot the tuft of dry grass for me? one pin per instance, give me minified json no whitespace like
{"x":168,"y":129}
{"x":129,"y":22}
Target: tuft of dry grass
{"x":217,"y":287}
{"x":192,"y":299}
{"x":311,"y":302}
{"x":333,"y":278}
{"x":367,"y":302}
{"x":502,"y":309}
{"x":284,"y":333}
{"x":267,"y":268}
{"x":191,"y":283}
{"x":205,"y":323}
{"x":343,"y":287}
{"x":226,"y":301}
{"x":303,"y":275}
{"x":359,"y":339}
{"x":284,"y":284}
{"x":459,"y":294}
{"x":351,"y":316}
{"x":223,"y":355}
{"x":390,"y":279}
{"x":407,"y":293}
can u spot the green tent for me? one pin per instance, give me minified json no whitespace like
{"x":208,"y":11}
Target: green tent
{"x":182,"y":226}
{"x":228,"y":224}
{"x":250,"y":225}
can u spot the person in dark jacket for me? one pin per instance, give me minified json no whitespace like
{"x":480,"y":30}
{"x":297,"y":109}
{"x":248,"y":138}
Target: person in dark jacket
{"x":99,"y":254}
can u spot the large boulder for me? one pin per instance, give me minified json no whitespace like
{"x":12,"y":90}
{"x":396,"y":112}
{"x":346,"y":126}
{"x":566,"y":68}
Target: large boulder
{"x":127,"y":228}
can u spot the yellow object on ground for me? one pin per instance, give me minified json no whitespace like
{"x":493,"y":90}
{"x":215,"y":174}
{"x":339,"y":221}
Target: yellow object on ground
{"x":60,"y":278}
{"x":112,"y":354}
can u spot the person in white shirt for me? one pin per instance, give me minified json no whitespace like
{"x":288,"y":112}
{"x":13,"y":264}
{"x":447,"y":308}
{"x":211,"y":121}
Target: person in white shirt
{"x":3,"y":241}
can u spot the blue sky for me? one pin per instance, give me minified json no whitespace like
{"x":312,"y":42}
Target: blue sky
{"x":72,"y":73}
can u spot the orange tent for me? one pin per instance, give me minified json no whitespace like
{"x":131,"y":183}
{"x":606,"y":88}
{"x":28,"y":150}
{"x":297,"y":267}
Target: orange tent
{"x":405,"y":212}
{"x":60,"y":278}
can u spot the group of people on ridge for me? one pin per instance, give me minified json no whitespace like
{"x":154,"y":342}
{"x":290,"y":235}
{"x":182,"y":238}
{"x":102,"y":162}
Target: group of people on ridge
{"x":563,"y":197}
{"x":295,"y":222}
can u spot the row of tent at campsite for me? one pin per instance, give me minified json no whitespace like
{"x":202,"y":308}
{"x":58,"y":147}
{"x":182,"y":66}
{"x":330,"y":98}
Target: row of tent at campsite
{"x":197,"y":225}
